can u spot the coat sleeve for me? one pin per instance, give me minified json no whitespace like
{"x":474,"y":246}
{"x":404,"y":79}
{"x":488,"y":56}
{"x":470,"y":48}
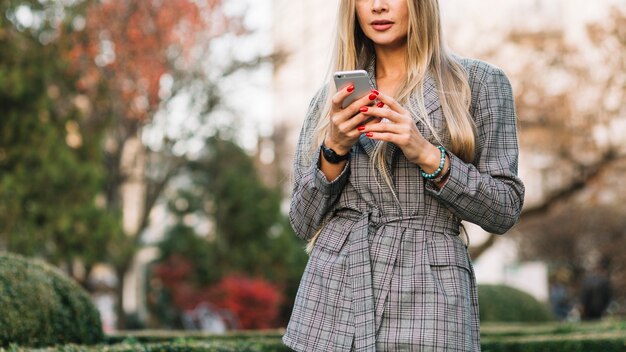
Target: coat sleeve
{"x":313,"y":195}
{"x":488,"y":191}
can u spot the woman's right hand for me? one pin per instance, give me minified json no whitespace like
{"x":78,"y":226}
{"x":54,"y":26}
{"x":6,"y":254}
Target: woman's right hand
{"x":345,"y":125}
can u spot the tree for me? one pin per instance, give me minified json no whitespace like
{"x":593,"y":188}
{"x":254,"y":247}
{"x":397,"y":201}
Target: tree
{"x":137,"y":67}
{"x":51,"y":166}
{"x":229,"y":225}
{"x":569,"y":96}
{"x":124,"y":75}
{"x":585,"y":233}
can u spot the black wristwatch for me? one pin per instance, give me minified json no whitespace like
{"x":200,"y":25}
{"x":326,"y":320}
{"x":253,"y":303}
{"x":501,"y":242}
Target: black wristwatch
{"x":331,"y":156}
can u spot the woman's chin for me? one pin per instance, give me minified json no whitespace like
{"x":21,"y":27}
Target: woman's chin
{"x":389,"y":43}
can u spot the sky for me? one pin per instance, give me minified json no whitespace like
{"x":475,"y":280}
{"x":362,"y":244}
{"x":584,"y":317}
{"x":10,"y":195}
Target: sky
{"x":246,"y":95}
{"x":250,"y":92}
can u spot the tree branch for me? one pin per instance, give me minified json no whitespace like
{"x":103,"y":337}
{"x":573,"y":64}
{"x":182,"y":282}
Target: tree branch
{"x":589,"y":174}
{"x":477,"y":251}
{"x":153,"y":192}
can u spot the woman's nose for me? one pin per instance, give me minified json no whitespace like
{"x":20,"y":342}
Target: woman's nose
{"x":379,"y":6}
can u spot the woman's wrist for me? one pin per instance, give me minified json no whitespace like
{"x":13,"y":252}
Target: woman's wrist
{"x":338,"y":148}
{"x":445,"y":173}
{"x":431,"y":158}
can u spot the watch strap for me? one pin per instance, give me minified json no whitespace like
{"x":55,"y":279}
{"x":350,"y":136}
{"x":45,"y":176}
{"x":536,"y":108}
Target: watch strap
{"x":331,"y":156}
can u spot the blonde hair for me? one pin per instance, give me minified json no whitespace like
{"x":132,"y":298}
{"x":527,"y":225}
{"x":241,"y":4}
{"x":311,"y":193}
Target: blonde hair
{"x":426,"y":53}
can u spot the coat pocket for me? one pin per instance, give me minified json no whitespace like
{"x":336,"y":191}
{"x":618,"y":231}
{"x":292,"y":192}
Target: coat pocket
{"x":453,"y":306}
{"x":446,"y":250}
{"x":334,"y":235}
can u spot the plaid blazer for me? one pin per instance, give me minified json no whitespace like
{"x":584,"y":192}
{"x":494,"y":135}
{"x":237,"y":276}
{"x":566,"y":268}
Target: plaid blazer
{"x":393,"y":275}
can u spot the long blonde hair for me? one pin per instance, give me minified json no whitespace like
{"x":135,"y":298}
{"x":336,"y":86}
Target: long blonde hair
{"x":426,"y":54}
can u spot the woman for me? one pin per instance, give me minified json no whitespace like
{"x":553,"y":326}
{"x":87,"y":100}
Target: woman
{"x":382,"y":186}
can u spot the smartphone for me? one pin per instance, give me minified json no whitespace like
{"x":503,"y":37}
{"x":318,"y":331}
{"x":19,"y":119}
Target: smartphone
{"x":361,"y":81}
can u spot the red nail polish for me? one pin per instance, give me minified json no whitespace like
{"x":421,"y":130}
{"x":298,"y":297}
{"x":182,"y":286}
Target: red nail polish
{"x":372,"y":96}
{"x":350,"y":88}
{"x":380,"y":104}
{"x":361,"y":128}
{"x":363,"y":109}
{"x":374,"y":91}
{"x":369,"y":134}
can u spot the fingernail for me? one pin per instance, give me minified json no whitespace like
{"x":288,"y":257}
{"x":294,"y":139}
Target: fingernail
{"x":363,"y":109}
{"x":361,"y":128}
{"x":369,"y":134}
{"x":372,"y":96}
{"x":380,"y":104}
{"x":350,"y":88}
{"x":374,"y":91}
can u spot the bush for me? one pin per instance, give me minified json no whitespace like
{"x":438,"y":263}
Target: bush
{"x":606,"y":342}
{"x":601,"y":336}
{"x":40,"y":306}
{"x":500,"y":303}
{"x":254,"y":301}
{"x":168,"y":336}
{"x":606,"y":336}
{"x":274,"y":345}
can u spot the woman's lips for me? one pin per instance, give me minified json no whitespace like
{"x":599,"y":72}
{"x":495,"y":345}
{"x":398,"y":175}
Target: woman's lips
{"x":381,"y":25}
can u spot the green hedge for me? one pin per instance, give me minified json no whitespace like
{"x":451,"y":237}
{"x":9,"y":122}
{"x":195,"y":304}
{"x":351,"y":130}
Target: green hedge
{"x":500,"y":303}
{"x":609,"y":336}
{"x":554,"y":337}
{"x":180,"y":346}
{"x":176,"y":345}
{"x":535,"y":330}
{"x":604,"y":342}
{"x":158,"y":336}
{"x":40,"y":306}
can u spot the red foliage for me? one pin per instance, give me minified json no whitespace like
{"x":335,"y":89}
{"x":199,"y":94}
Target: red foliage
{"x":175,"y":274}
{"x":174,"y":270}
{"x":254,"y":301}
{"x":128,"y":46}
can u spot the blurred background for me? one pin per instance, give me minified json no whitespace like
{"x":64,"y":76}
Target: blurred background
{"x":146,"y":147}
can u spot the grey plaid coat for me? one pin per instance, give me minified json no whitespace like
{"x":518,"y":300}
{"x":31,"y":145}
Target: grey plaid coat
{"x":395,"y":276}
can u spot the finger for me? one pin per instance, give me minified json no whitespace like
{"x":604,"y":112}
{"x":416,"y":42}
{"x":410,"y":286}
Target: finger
{"x":370,"y":120}
{"x":387,"y":137}
{"x":350,"y":113}
{"x":383,"y":127}
{"x":366,"y":100}
{"x":348,"y":133}
{"x":342,"y":115}
{"x":383,"y":112}
{"x":340,"y":96}
{"x":391,"y":103}
{"x":353,"y":123}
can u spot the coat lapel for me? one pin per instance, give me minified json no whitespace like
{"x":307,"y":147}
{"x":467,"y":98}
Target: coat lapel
{"x":431,"y":94}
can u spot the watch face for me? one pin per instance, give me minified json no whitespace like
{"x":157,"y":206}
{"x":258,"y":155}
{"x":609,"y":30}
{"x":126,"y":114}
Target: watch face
{"x":331,"y":156}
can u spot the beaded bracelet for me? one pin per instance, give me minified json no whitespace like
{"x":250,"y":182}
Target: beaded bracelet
{"x":442,"y":176}
{"x":442,"y":162}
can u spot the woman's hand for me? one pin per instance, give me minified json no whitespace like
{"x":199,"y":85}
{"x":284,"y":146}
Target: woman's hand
{"x":401,"y":130}
{"x":343,"y":130}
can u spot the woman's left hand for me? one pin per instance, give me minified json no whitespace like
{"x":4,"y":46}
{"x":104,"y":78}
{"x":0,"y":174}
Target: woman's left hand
{"x":401,"y":130}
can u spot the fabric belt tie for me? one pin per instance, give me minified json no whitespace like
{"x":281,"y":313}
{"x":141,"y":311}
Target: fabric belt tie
{"x":360,"y":270}
{"x":364,"y":307}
